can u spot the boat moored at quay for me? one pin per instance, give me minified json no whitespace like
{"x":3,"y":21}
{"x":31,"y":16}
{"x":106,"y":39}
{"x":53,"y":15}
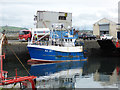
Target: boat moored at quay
{"x":59,"y":47}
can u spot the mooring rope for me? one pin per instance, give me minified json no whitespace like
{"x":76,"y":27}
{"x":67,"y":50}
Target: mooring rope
{"x":19,"y":60}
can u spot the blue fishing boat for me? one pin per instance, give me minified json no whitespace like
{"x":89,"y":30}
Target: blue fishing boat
{"x":60,"y":47}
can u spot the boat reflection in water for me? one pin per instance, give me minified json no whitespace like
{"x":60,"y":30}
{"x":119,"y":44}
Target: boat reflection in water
{"x":100,"y":73}
{"x":57,"y":75}
{"x":45,"y":69}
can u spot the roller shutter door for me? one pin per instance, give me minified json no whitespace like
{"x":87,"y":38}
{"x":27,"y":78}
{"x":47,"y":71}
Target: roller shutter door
{"x":118,"y":35}
{"x":104,"y":27}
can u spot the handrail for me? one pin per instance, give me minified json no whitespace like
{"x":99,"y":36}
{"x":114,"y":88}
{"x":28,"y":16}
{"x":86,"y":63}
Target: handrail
{"x":43,"y":36}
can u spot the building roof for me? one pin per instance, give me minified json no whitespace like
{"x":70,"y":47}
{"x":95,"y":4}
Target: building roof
{"x":110,"y":20}
{"x":53,"y":11}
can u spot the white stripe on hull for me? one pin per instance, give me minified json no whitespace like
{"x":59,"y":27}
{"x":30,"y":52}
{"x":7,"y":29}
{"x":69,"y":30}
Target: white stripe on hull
{"x":41,"y":60}
{"x":58,"y":48}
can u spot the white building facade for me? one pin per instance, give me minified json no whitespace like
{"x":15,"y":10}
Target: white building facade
{"x":45,"y":19}
{"x":105,"y":26}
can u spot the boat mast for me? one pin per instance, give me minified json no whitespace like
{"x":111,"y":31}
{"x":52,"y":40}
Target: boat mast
{"x":61,"y":33}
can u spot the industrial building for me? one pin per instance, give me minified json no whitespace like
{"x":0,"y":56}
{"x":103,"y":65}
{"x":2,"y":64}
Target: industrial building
{"x":105,"y":26}
{"x":118,"y":28}
{"x":45,"y":19}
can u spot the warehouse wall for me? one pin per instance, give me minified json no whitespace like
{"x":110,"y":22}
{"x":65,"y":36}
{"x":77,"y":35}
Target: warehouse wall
{"x":112,"y":27}
{"x":96,"y":29}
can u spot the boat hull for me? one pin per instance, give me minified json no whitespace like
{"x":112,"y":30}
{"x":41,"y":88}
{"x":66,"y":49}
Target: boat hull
{"x":55,"y":54}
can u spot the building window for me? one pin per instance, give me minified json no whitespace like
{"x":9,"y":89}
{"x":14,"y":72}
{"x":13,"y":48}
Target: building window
{"x":62,"y":17}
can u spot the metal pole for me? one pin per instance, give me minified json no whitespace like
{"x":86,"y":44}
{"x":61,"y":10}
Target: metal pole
{"x":1,"y":61}
{"x":1,"y":67}
{"x":2,"y":38}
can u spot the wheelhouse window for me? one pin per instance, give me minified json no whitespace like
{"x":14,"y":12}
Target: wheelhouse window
{"x":62,"y":17}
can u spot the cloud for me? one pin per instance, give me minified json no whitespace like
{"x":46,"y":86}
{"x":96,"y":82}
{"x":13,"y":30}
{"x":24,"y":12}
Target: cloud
{"x":88,"y":18}
{"x":84,"y":12}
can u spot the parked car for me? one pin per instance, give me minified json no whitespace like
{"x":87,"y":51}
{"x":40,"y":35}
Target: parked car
{"x":106,"y":36}
{"x":87,"y":36}
{"x":80,"y":36}
{"x":84,"y":36}
{"x":90,"y":36}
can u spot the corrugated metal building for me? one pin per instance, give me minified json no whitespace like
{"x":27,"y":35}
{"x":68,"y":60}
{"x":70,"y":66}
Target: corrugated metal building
{"x":105,"y":26}
{"x":45,"y":19}
{"x":118,"y":28}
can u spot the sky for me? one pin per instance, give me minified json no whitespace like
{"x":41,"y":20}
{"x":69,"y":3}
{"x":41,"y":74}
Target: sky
{"x":84,"y":12}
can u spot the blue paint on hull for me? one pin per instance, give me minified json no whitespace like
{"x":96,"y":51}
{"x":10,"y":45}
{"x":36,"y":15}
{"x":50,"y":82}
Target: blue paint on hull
{"x":52,"y":55}
{"x":46,"y":69}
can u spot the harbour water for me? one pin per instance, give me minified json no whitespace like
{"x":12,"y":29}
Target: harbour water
{"x":99,"y":71}
{"x":94,"y":73}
